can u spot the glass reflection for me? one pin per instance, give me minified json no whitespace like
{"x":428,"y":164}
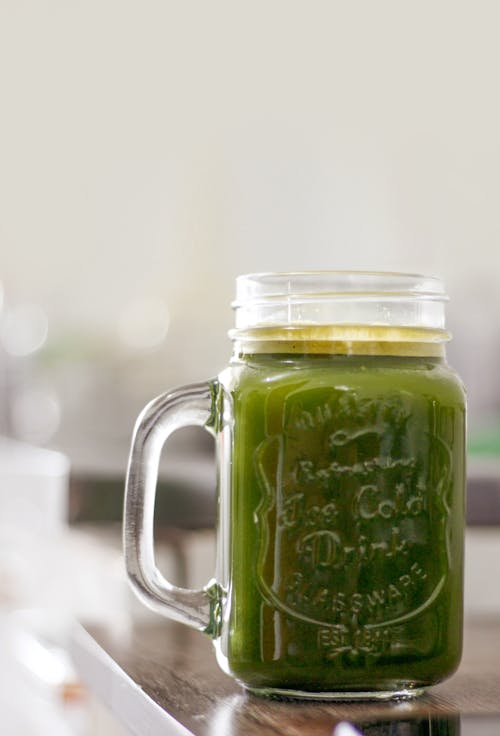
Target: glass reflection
{"x":424,"y":726}
{"x":238,"y":715}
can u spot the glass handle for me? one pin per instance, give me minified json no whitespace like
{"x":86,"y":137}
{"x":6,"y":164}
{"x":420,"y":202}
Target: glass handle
{"x":186,"y":406}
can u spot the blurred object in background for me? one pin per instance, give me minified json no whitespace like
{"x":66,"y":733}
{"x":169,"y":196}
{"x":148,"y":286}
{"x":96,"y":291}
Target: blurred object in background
{"x":30,"y":407}
{"x":33,"y":515}
{"x":39,"y":690}
{"x":186,"y":496}
{"x":23,"y":330}
{"x":50,"y":576}
{"x":483,"y":489}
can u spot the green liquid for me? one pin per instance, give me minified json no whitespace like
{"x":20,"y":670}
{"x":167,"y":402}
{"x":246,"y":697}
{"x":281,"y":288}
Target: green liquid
{"x":346,"y":522}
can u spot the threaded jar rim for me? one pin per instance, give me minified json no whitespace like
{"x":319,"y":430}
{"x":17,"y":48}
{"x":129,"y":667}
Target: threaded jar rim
{"x":319,"y":298}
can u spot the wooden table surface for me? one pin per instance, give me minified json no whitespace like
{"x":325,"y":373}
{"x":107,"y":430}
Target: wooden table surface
{"x":164,"y":678}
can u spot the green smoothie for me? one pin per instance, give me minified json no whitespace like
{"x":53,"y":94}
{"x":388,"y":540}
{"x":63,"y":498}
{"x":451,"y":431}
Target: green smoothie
{"x":346,"y":520}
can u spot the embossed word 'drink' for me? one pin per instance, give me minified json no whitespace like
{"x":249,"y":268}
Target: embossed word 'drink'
{"x":340,"y":432}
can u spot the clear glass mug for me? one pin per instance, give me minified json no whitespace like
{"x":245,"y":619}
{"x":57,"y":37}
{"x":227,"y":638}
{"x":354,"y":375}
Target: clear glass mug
{"x":341,"y":454}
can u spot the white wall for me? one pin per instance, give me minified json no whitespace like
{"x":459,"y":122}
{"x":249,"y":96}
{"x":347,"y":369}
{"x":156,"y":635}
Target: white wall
{"x":162,"y":147}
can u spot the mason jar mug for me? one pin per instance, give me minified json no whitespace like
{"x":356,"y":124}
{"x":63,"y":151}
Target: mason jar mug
{"x":341,"y":461}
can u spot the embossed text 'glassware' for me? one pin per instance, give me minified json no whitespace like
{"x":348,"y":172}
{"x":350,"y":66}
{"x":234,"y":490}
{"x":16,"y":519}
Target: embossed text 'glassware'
{"x":341,"y":459}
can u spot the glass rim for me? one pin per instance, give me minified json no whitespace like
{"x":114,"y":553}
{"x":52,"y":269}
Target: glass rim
{"x":335,"y":284}
{"x":339,"y":297}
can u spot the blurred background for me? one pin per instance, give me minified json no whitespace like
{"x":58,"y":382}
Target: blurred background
{"x":150,"y":152}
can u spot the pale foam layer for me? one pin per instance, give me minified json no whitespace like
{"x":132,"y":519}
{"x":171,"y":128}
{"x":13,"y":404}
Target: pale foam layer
{"x":342,"y":340}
